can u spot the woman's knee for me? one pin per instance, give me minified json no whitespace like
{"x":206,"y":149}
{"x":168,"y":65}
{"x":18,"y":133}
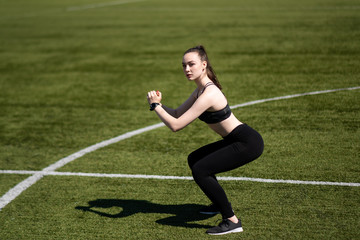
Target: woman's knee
{"x":199,"y":172}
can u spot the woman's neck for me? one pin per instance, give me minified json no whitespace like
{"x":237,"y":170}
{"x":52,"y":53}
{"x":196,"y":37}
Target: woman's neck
{"x":202,"y":82}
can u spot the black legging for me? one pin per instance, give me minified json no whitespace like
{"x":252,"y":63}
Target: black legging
{"x":241,"y":146}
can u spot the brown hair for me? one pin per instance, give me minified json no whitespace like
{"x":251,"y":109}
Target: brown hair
{"x":204,"y":57}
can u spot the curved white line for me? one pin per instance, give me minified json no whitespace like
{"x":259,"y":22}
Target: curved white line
{"x":22,"y":186}
{"x":293,"y":96}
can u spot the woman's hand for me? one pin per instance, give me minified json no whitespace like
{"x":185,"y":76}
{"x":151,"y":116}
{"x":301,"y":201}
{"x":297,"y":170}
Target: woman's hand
{"x":154,"y":97}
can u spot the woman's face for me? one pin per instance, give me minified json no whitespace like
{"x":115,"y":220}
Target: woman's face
{"x":193,"y":67}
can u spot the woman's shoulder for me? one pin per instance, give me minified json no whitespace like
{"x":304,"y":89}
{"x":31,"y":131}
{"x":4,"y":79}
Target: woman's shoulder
{"x":214,"y":97}
{"x":213,"y":91}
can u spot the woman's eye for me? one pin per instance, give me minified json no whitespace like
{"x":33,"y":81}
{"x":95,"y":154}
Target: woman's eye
{"x":189,"y":64}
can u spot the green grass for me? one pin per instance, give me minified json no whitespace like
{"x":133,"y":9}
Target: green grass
{"x":70,"y":79}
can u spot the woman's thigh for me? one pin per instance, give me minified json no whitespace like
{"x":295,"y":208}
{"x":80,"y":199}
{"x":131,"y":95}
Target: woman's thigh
{"x":204,"y":151}
{"x":223,"y":159}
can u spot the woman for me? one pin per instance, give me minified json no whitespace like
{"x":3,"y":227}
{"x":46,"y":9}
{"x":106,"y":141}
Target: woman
{"x":240,"y":144}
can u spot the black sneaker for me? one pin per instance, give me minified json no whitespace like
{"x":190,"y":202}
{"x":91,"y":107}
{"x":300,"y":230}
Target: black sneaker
{"x":211,"y":210}
{"x":225,"y":227}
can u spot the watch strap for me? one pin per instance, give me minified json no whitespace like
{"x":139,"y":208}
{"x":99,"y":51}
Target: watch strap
{"x":153,"y":106}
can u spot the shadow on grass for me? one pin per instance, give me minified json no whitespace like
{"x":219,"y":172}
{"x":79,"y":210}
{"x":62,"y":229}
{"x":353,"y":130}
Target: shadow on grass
{"x":184,"y":214}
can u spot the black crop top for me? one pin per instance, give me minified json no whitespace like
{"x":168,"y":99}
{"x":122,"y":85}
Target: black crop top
{"x":217,"y":116}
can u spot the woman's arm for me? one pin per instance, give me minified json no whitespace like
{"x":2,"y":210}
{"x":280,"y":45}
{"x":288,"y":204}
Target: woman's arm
{"x":170,"y":111}
{"x":182,"y":108}
{"x":186,"y":113}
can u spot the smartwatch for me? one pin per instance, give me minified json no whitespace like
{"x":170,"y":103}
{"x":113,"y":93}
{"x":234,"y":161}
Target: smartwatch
{"x":153,"y":106}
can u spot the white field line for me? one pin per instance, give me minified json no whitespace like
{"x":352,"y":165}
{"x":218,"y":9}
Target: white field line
{"x":293,"y":96}
{"x":100,"y":5}
{"x":22,"y":186}
{"x":161,"y":177}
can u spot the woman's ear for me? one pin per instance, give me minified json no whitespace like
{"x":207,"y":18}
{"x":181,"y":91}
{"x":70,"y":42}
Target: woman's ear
{"x":204,"y":63}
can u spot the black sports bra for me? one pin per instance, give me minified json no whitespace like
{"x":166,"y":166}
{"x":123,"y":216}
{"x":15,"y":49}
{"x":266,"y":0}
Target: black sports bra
{"x":217,"y":116}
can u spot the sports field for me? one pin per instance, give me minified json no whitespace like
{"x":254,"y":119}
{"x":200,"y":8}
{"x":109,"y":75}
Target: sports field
{"x":82,"y":157}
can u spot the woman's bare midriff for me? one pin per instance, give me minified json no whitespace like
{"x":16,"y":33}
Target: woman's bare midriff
{"x":225,"y":127}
